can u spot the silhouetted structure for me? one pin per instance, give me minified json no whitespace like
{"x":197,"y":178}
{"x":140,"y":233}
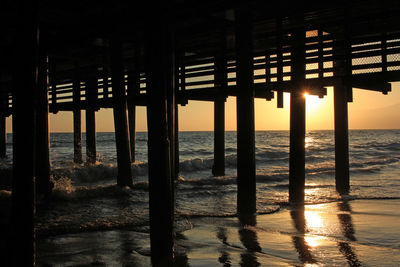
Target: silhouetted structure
{"x":167,"y":55}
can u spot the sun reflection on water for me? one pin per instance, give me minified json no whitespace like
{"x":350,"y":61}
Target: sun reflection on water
{"x":313,"y":241}
{"x":308,"y":141}
{"x":313,"y":220}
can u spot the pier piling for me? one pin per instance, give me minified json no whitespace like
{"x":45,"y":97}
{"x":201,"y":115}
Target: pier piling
{"x":171,"y":122}
{"x":3,"y":137}
{"x":25,"y":69}
{"x":176,"y":141}
{"x":91,"y":86}
{"x":297,"y":150}
{"x":342,"y":177}
{"x":132,"y":130}
{"x":43,"y":184}
{"x":133,"y":91}
{"x":219,"y":137}
{"x":342,"y":93}
{"x":77,"y":117}
{"x":297,"y":121}
{"x":158,"y":51}
{"x":246,"y":167}
{"x":90,"y":136}
{"x":76,"y":94}
{"x":124,"y":177}
{"x":219,"y":116}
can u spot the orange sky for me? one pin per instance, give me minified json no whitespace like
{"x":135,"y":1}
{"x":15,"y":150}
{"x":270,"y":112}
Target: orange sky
{"x":370,"y":110}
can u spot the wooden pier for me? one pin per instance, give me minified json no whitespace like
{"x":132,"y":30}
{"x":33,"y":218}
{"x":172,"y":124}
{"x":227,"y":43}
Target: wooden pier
{"x":91,"y":55}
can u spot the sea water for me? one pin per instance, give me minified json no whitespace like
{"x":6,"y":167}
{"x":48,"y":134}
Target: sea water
{"x":86,"y":198}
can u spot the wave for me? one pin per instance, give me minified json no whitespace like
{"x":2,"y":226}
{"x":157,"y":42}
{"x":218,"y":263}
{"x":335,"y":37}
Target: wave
{"x":375,"y":161}
{"x":194,"y":214}
{"x":43,"y":230}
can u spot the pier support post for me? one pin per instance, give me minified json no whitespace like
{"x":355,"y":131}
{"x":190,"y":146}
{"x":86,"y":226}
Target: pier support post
{"x":91,"y":89}
{"x":171,"y":122}
{"x":77,"y":136}
{"x":43,"y":184}
{"x":342,"y":68}
{"x":246,"y":166}
{"x":297,"y":121}
{"x":176,"y":141}
{"x":25,"y":69}
{"x":132,"y":130}
{"x":124,"y":177}
{"x":158,"y":67}
{"x":90,"y":136}
{"x":297,"y":150}
{"x":3,"y":137}
{"x":76,"y":94}
{"x":342,"y":177}
{"x":221,"y":83}
{"x":133,"y":91}
{"x":219,"y":137}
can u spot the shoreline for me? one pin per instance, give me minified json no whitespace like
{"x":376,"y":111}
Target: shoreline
{"x":332,"y":233}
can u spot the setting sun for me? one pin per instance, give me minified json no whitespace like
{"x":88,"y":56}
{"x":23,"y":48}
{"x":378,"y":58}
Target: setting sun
{"x":313,"y":102}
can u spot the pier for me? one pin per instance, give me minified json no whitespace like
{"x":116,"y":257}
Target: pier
{"x":89,"y":56}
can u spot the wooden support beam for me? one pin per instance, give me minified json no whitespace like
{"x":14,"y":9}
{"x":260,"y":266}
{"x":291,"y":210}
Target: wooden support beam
{"x":279,"y":99}
{"x":76,"y":96}
{"x":3,"y":137}
{"x":177,"y":170}
{"x":90,"y":136}
{"x":91,"y":88}
{"x":297,"y":150}
{"x":218,"y":168}
{"x":342,"y":176}
{"x":246,"y":166}
{"x":221,"y":85}
{"x":77,"y":136}
{"x":43,"y":184}
{"x":132,"y":130}
{"x":171,"y":120}
{"x":297,"y":121}
{"x":133,"y":92}
{"x":25,"y":69}
{"x":170,"y":79}
{"x":371,"y":84}
{"x":340,"y":97}
{"x":124,"y":177}
{"x":158,"y":51}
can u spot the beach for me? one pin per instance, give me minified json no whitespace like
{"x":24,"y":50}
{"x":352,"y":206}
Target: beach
{"x":345,"y":233}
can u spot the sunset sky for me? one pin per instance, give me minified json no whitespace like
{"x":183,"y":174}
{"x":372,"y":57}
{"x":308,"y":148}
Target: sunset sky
{"x":369,"y":110}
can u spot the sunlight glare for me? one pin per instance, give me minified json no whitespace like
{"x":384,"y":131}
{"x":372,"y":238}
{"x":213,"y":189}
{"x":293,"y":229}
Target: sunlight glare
{"x":308,"y":141}
{"x":313,"y":241}
{"x":313,"y":219}
{"x":313,"y":102}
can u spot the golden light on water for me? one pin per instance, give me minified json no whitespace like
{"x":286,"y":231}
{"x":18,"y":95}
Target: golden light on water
{"x":313,"y":220}
{"x":308,"y":141}
{"x":313,"y":241}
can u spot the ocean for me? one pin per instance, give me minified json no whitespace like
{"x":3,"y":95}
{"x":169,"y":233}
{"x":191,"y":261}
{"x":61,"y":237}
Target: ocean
{"x":89,"y":215}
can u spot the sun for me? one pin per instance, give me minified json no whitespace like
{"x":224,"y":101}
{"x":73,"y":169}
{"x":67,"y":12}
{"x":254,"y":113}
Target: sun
{"x":313,"y":102}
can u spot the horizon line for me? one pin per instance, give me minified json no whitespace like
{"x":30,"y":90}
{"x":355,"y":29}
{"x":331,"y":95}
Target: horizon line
{"x":275,"y":130}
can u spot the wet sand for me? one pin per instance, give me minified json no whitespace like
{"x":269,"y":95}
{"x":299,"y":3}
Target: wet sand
{"x":351,"y":233}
